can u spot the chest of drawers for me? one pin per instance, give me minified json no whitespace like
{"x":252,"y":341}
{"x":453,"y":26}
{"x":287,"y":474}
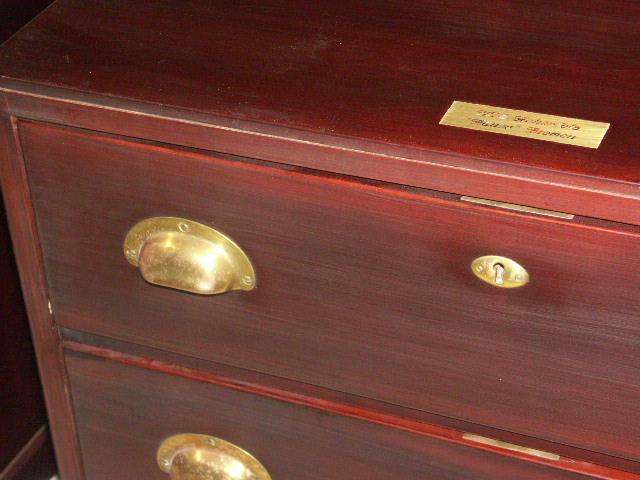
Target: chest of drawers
{"x":286,"y":228}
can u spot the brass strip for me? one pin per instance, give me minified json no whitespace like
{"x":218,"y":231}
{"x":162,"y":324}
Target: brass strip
{"x":510,"y":446}
{"x":519,"y":208}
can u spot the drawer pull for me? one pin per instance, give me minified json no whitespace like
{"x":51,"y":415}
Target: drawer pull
{"x":500,"y":271}
{"x":185,"y":255}
{"x":190,"y":456}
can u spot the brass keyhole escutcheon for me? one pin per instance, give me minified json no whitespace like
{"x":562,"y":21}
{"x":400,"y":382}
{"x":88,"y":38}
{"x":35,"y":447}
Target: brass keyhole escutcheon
{"x":500,"y":271}
{"x":190,"y":456}
{"x":189,"y":256}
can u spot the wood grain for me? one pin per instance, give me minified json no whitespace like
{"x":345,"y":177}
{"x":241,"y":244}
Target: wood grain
{"x":413,"y":420}
{"x":378,"y":71}
{"x":362,"y":289}
{"x":124,"y":412}
{"x":447,"y":172}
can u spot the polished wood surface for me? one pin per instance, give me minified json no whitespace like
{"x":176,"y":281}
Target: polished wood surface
{"x":587,"y":196}
{"x":408,"y":419}
{"x":541,"y":360}
{"x":379,"y":71}
{"x":309,"y":133}
{"x":291,"y":441}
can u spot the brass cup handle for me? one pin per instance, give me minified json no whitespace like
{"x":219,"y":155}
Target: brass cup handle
{"x":185,"y":255}
{"x":190,"y":456}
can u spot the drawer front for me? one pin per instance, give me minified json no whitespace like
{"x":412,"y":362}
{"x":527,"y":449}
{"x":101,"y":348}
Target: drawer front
{"x":362,"y":289}
{"x":124,"y":413}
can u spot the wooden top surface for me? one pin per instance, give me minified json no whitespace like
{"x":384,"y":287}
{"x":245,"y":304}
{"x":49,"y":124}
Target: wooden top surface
{"x":385,"y":71}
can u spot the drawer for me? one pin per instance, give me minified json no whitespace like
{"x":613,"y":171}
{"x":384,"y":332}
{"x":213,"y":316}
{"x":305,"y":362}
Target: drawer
{"x":360,"y":288}
{"x":124,"y":412}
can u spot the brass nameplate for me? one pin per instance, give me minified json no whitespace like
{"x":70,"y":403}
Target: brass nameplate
{"x":583,"y":133}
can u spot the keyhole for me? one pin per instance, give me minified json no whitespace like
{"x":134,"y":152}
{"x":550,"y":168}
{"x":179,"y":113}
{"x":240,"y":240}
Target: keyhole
{"x":499,"y":269}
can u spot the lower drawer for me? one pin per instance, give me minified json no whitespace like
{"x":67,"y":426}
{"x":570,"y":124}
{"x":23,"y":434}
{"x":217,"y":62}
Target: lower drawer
{"x":124,"y":412}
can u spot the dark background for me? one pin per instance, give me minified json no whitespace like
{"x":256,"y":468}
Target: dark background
{"x":22,"y":411}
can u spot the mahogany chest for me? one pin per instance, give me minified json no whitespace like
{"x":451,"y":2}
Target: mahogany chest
{"x":328,"y":240}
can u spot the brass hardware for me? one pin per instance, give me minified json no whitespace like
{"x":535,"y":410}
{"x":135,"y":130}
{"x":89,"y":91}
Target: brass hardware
{"x":510,"y":446}
{"x":520,"y":123}
{"x":518,"y":208}
{"x":185,"y":255}
{"x":190,"y":456}
{"x":500,"y":271}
